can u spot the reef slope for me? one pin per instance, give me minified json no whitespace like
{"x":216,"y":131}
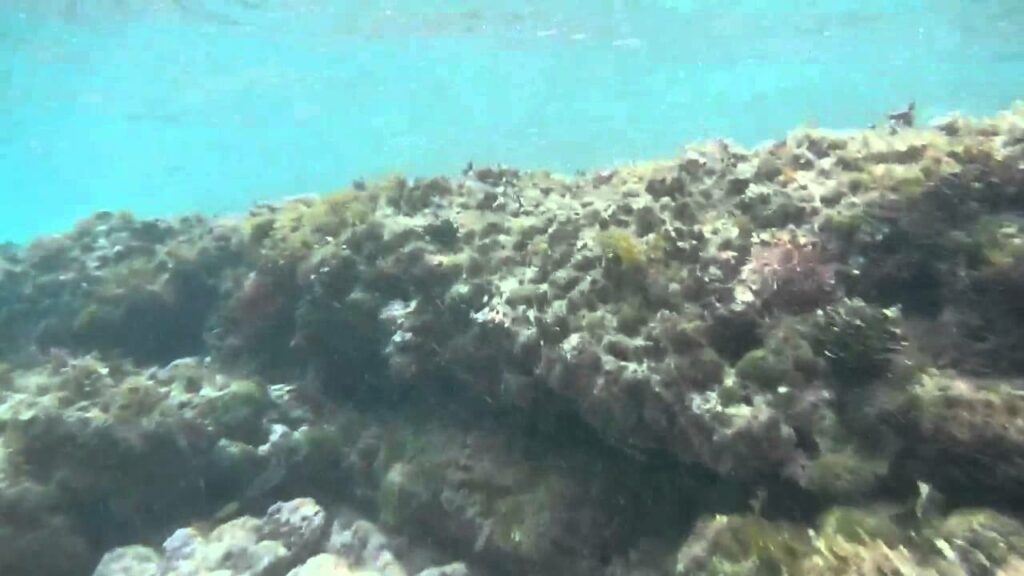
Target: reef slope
{"x":805,"y":358}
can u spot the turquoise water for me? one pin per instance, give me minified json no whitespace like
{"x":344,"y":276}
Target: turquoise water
{"x":166,"y":106}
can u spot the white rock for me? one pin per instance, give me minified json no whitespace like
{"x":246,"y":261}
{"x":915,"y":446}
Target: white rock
{"x":129,"y":561}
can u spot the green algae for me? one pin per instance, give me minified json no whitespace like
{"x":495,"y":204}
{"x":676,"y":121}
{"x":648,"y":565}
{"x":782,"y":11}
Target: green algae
{"x":623,"y":247}
{"x":845,"y":475}
{"x":292,"y":231}
{"x":982,"y":539}
{"x":1000,"y":240}
{"x":786,"y":359}
{"x":744,"y":545}
{"x":857,"y":339}
{"x":862,"y":525}
{"x":762,"y":368}
{"x":238,"y":411}
{"x":408,"y":492}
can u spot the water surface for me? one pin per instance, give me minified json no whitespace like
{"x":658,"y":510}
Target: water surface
{"x":166,"y":106}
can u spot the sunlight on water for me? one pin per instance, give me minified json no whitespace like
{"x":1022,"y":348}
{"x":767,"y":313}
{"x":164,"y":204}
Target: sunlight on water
{"x":174,"y":105}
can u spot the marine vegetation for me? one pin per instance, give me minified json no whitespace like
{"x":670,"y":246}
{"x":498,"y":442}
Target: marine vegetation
{"x":803,"y":358}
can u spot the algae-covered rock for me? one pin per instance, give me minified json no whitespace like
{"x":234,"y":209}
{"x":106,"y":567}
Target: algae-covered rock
{"x":786,"y":360}
{"x":244,"y":545}
{"x":37,"y":534}
{"x":738,"y":545}
{"x":481,"y":496}
{"x":142,"y":289}
{"x":982,"y":541}
{"x":134,"y":560}
{"x":964,"y":435}
{"x":845,"y":474}
{"x":761,"y":368}
{"x":516,"y":279}
{"x":858,"y":340}
{"x":840,"y":557}
{"x":726,"y":316}
{"x":131,"y":451}
{"x":871,"y":541}
{"x":292,"y":538}
{"x":863,"y":525}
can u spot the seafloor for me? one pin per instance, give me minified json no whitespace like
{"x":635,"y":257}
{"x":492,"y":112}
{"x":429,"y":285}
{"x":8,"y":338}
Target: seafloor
{"x":806,"y":358}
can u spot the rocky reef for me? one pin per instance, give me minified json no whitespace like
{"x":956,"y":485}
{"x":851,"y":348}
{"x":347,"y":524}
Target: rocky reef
{"x":296,"y":538}
{"x":806,"y":358}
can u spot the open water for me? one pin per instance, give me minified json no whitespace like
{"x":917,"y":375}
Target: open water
{"x":170,"y":106}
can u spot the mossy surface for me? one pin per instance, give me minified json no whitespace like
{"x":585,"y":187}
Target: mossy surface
{"x":742,"y":545}
{"x":622,"y":247}
{"x":524,"y":367}
{"x":858,"y":340}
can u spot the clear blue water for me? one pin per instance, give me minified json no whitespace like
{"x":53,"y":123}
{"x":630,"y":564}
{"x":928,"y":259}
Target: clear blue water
{"x":168,"y":106}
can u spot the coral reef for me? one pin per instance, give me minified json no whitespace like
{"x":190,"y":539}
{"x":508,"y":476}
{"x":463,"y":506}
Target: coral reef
{"x":762,"y":354}
{"x":91,"y":443}
{"x":133,"y":450}
{"x":141,"y":289}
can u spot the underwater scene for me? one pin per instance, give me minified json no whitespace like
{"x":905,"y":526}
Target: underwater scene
{"x":495,"y":288}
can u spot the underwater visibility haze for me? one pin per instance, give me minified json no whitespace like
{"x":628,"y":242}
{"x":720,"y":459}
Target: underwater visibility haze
{"x":171,"y":106}
{"x":607,"y":288}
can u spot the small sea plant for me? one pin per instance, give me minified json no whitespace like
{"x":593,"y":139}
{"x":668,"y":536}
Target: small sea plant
{"x":791,"y":275}
{"x":291,"y":231}
{"x":1000,"y":241}
{"x":857,"y":339}
{"x":622,"y":246}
